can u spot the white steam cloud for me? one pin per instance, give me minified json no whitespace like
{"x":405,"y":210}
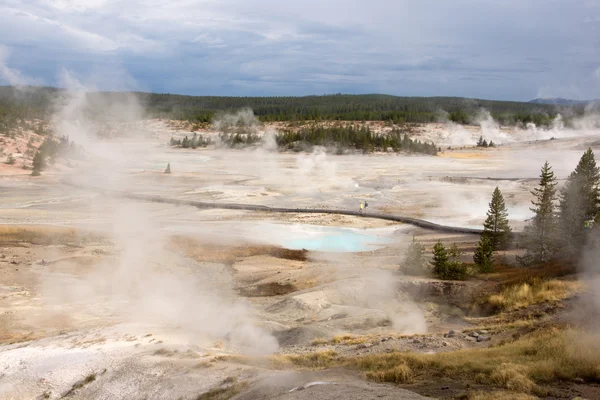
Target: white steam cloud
{"x":484,"y":125}
{"x":12,"y":76}
{"x":146,"y":283}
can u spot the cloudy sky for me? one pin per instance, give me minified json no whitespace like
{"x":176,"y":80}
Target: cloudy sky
{"x":495,"y":49}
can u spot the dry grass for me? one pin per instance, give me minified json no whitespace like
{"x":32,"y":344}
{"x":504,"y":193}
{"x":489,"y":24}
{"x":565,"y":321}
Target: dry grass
{"x":507,"y":275}
{"x":229,"y":254}
{"x":267,"y":289}
{"x":512,"y":377}
{"x":319,"y":342}
{"x":80,"y":384}
{"x":537,"y":291}
{"x":46,"y":235}
{"x":316,"y":360}
{"x":399,"y":374}
{"x":224,"y":393}
{"x":500,"y":395}
{"x":520,"y":366}
{"x":10,"y":335}
{"x":351,"y":339}
{"x":500,"y":324}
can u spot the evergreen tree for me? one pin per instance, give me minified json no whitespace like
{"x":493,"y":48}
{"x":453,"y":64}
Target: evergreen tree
{"x":39,"y":163}
{"x":484,"y":144}
{"x":484,"y":255}
{"x":413,"y":263}
{"x":580,"y":201}
{"x":496,"y":226}
{"x":446,"y":262}
{"x":540,"y":238}
{"x":185,"y":143}
{"x":491,"y":144}
{"x":168,"y":170}
{"x":480,"y":141}
{"x":10,"y":159}
{"x":456,"y":269}
{"x":440,"y":260}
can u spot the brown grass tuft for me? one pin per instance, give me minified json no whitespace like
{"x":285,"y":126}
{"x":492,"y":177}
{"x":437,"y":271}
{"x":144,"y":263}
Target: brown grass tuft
{"x":316,"y":360}
{"x":500,"y":395}
{"x":46,"y":235}
{"x":80,"y":384}
{"x":224,"y":393}
{"x":319,"y":342}
{"x":512,"y":377}
{"x":506,"y":275}
{"x":341,"y":338}
{"x":399,"y":374}
{"x":541,"y":358}
{"x":535,"y":292}
{"x":228,"y":254}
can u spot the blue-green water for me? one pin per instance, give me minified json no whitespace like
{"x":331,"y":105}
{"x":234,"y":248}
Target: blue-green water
{"x":291,"y":236}
{"x":336,"y":240}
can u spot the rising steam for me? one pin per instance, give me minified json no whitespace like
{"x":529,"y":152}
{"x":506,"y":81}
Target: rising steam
{"x":145,"y":283}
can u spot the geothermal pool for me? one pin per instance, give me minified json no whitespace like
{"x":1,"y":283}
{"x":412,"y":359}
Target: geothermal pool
{"x":291,"y":236}
{"x":330,"y":239}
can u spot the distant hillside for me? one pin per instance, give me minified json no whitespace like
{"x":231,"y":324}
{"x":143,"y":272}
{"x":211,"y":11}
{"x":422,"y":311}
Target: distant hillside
{"x":367,"y":107}
{"x":560,"y":101}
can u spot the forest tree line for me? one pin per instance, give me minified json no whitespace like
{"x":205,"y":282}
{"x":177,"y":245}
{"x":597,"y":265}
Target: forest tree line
{"x":369,"y":107}
{"x":341,"y":107}
{"x":341,"y":138}
{"x":350,"y":137}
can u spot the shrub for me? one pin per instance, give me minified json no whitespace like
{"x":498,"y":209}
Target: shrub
{"x":414,"y":262}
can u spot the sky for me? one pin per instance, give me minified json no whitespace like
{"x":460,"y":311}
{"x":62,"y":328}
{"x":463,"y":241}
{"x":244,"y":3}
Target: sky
{"x":505,"y":50}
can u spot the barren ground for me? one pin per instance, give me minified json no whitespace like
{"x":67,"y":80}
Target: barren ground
{"x":111,"y":298}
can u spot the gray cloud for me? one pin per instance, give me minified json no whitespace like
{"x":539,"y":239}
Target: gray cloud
{"x":481,"y":48}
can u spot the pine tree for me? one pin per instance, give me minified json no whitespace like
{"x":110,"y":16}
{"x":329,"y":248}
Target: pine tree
{"x":440,"y":260}
{"x":480,"y":141}
{"x":456,"y":269}
{"x":580,"y":201}
{"x":484,"y":255}
{"x":168,"y":170}
{"x":39,"y":163}
{"x":540,"y":238}
{"x":446,"y":262}
{"x":484,"y":144}
{"x":496,"y":226}
{"x":185,"y":143}
{"x":413,"y":263}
